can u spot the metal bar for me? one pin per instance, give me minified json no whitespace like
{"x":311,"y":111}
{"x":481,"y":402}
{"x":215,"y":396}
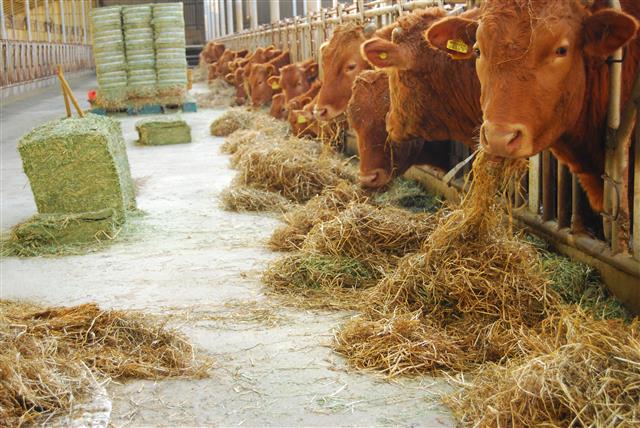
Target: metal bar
{"x":563,"y":200}
{"x":548,"y":201}
{"x":577,"y":205}
{"x":73,"y":21}
{"x":27,"y":14}
{"x":239,"y":16}
{"x":62,"y":22}
{"x":254,"y":13}
{"x":230,"y":17}
{"x":84,"y":23}
{"x":3,"y":26}
{"x":534,"y":184}
{"x":636,"y":193}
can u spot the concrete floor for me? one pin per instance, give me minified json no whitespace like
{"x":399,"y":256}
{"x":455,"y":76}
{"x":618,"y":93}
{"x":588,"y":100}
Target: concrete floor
{"x":189,"y":258}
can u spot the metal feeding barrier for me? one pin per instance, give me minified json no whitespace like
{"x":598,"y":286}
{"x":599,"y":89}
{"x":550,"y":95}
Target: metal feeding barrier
{"x":551,"y":201}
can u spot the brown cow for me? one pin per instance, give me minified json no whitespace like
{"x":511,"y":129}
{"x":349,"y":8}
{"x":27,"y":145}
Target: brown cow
{"x":221,"y":68}
{"x":303,"y":122}
{"x":341,"y":63}
{"x":259,"y":88}
{"x":381,"y":160}
{"x":278,"y":107}
{"x":295,"y":79}
{"x":542,"y":67}
{"x":432,"y":96}
{"x":211,"y":52}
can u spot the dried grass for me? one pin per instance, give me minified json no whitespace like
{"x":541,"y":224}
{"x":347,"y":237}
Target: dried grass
{"x":581,"y":372}
{"x":243,"y":198}
{"x":49,"y":356}
{"x":238,"y":139}
{"x":221,"y":94}
{"x":240,"y":118}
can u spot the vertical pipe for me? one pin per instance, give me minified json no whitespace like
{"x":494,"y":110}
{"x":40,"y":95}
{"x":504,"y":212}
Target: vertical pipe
{"x":216,"y":18}
{"x":636,"y":191}
{"x":564,"y":196}
{"x":312,"y":6}
{"x":223,"y":17}
{"x":27,"y":12}
{"x":73,"y":21}
{"x":534,"y":184}
{"x":577,"y":204}
{"x":84,"y":22}
{"x":294,"y":7}
{"x":47,"y":23}
{"x":62,"y":25}
{"x":13,"y":20}
{"x":548,"y":205}
{"x":274,"y":10}
{"x":253,"y":4}
{"x":239,"y":16}
{"x":3,"y":25}
{"x":230,"y":29}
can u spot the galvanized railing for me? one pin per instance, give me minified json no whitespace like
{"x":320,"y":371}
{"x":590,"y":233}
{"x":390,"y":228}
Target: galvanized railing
{"x":23,"y":62}
{"x":552,"y":202}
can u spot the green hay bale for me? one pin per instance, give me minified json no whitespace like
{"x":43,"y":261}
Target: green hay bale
{"x":60,"y":233}
{"x":78,"y":165}
{"x":156,"y":132}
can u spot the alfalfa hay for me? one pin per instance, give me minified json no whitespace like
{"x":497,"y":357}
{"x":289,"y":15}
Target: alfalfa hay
{"x":141,"y":60}
{"x":78,"y":165}
{"x":109,"y":56}
{"x":169,"y":43}
{"x":47,"y":354}
{"x":162,"y":131}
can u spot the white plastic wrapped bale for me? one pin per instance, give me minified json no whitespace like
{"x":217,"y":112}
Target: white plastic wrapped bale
{"x":171,"y":61}
{"x":109,"y":54}
{"x":139,"y":46}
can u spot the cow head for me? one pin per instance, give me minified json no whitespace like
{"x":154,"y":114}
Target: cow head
{"x":259,"y":88}
{"x":278,"y":107}
{"x":212,"y":71}
{"x":303,"y":122}
{"x":295,"y":79}
{"x":532,"y":60}
{"x":341,"y":63}
{"x":401,"y":51}
{"x":367,"y":119}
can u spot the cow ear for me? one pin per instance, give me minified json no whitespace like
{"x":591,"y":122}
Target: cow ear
{"x":383,"y":53}
{"x":271,"y":69}
{"x":607,"y":30}
{"x":453,"y":35}
{"x":274,"y":82}
{"x":322,"y":48}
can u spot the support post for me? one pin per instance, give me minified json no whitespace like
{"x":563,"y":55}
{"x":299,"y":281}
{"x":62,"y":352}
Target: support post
{"x":274,"y":10}
{"x":294,"y":7}
{"x":62,"y":22}
{"x":239,"y":16}
{"x":84,"y":22}
{"x":3,"y":25}
{"x":27,"y":14}
{"x":74,"y":23}
{"x":253,"y":4}
{"x":229,"y":8}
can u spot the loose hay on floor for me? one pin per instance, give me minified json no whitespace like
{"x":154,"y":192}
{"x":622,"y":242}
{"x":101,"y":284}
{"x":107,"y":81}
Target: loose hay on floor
{"x":582,"y":372}
{"x":221,"y":94}
{"x":240,"y":138}
{"x":240,"y":118}
{"x":320,"y":281}
{"x":46,"y":355}
{"x":323,"y":207}
{"x":408,"y":194}
{"x":244,"y":198}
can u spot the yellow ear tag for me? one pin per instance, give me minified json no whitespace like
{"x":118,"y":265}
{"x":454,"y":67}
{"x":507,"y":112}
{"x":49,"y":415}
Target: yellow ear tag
{"x":383,"y":55}
{"x":457,"y":46}
{"x":275,"y":85}
{"x":301,"y":119}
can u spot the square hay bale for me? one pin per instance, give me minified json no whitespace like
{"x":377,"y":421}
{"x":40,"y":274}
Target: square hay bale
{"x":78,"y":165}
{"x":156,"y":132}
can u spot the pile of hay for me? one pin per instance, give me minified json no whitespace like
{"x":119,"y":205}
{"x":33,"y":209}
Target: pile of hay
{"x":49,"y":356}
{"x":581,"y":372}
{"x":79,"y":174}
{"x":311,"y":280}
{"x":244,"y":198}
{"x":297,"y":173}
{"x":221,"y":94}
{"x":320,"y":208}
{"x":408,"y":194}
{"x":162,"y":131}
{"x":240,"y":118}
{"x":378,"y":236}
{"x":472,"y":281}
{"x":240,"y":138}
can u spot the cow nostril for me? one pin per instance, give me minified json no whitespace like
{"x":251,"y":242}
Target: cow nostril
{"x":515,"y":141}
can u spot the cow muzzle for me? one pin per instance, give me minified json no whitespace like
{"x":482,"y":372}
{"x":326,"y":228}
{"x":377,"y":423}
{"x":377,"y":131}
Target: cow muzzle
{"x":505,"y":140}
{"x":325,"y":113}
{"x":375,"y":178}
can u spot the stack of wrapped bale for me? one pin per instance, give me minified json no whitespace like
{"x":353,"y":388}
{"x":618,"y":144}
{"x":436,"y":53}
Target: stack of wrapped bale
{"x":138,"y":38}
{"x":171,"y":60}
{"x":108,"y":50}
{"x":79,"y":174}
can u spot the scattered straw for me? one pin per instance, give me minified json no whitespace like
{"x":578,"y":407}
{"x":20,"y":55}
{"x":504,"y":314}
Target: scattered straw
{"x":582,"y":372}
{"x":46,"y":355}
{"x":221,"y":94}
{"x":239,"y":118}
{"x":243,"y":198}
{"x":238,"y":139}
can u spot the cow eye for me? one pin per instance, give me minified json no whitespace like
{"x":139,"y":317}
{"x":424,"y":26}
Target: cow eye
{"x":352,"y":66}
{"x":476,"y":51}
{"x":562,"y":51}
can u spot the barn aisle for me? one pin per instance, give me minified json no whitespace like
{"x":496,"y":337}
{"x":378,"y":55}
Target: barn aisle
{"x":188,"y":258}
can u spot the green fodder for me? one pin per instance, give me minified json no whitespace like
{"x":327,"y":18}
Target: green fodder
{"x":320,"y":208}
{"x":169,"y":44}
{"x":472,"y":279}
{"x":240,"y":118}
{"x":161,"y":131}
{"x":78,"y":165}
{"x":378,"y":236}
{"x":109,"y":57}
{"x":285,"y":168}
{"x":319,"y":281}
{"x":581,"y":372}
{"x":47,"y":354}
{"x":59,"y":234}
{"x":408,"y":194}
{"x":243,"y":198}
